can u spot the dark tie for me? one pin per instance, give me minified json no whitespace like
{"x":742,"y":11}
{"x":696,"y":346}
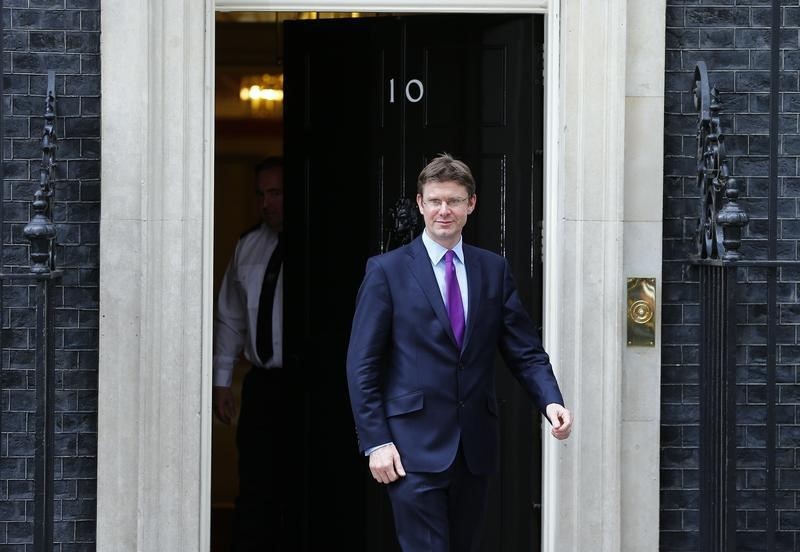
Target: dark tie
{"x":455,"y":307}
{"x":266,"y":301}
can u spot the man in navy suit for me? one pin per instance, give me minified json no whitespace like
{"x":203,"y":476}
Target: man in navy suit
{"x":429,"y":319}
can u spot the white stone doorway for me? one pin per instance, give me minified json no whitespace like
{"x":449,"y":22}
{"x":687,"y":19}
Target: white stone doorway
{"x":156,"y":296}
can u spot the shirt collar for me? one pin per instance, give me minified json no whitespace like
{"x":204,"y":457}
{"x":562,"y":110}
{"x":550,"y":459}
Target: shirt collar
{"x":436,"y":251}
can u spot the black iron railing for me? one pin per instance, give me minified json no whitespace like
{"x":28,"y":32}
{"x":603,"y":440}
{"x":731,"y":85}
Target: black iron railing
{"x":42,"y":273}
{"x":718,"y":240}
{"x":717,"y":256}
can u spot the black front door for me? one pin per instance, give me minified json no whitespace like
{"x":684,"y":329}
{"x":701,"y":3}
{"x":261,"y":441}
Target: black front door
{"x":368,"y":103}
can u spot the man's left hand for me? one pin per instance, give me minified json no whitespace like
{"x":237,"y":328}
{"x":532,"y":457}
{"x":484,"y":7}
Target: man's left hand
{"x":561,"y":419}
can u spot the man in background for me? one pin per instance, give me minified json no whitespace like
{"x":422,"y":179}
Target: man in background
{"x":249,"y":321}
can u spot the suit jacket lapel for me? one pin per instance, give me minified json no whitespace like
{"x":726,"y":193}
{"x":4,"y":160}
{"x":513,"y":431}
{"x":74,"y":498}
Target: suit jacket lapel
{"x":423,"y":272}
{"x":474,"y":287}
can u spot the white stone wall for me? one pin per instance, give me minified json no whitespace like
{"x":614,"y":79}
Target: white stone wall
{"x":602,"y":486}
{"x":584,"y":279}
{"x":154,"y":373}
{"x":642,"y":229}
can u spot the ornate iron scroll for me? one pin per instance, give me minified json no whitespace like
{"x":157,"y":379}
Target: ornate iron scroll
{"x":405,"y":223}
{"x":721,"y":218}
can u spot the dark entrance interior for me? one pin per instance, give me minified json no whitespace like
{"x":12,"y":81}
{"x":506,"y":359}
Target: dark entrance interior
{"x":367,"y":102}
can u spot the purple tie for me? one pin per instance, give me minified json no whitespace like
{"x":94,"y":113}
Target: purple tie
{"x":455,"y":308}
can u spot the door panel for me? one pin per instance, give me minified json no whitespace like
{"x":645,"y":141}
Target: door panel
{"x":335,"y":162}
{"x":493,"y":86}
{"x":354,"y":144}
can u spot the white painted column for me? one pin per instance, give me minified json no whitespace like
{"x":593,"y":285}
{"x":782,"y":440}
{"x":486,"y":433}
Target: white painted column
{"x":601,"y":487}
{"x":642,"y":228}
{"x":584,"y":282}
{"x":153,"y":450}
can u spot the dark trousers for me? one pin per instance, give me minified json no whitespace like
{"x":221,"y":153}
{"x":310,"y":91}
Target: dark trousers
{"x":440,"y":512}
{"x":268,"y":438}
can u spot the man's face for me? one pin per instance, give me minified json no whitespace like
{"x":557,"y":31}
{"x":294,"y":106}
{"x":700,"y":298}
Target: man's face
{"x":269,"y":193}
{"x":445,"y":207}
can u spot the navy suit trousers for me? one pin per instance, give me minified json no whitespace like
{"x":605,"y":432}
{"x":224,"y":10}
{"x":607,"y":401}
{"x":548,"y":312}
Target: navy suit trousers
{"x":440,"y":512}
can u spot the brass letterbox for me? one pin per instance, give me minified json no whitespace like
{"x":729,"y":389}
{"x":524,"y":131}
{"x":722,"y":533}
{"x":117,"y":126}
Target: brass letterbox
{"x":642,"y":312}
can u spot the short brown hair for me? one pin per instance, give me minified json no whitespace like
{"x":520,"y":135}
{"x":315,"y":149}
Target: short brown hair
{"x":445,"y":168}
{"x":268,"y":163}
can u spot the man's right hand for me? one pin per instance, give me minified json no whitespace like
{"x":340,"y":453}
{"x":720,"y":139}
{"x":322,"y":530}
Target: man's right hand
{"x":385,"y":464}
{"x":224,"y":404}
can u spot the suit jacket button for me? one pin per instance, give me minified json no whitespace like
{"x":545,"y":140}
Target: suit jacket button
{"x":461,"y":404}
{"x":460,"y":365}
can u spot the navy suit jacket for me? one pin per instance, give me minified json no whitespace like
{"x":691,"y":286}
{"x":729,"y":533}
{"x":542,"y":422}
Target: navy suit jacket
{"x":409,"y":382}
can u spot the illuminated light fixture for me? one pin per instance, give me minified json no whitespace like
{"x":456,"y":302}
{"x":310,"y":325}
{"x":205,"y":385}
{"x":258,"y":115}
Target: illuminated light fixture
{"x":255,"y":92}
{"x":264,"y":92}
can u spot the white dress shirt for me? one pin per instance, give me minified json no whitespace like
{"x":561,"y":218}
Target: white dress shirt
{"x":236,"y":316}
{"x":436,"y":252}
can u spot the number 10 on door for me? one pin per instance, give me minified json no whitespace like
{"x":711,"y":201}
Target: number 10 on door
{"x":414,"y":90}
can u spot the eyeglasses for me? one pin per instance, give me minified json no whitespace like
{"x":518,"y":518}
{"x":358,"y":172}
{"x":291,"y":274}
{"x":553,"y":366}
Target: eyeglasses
{"x":452,"y":203}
